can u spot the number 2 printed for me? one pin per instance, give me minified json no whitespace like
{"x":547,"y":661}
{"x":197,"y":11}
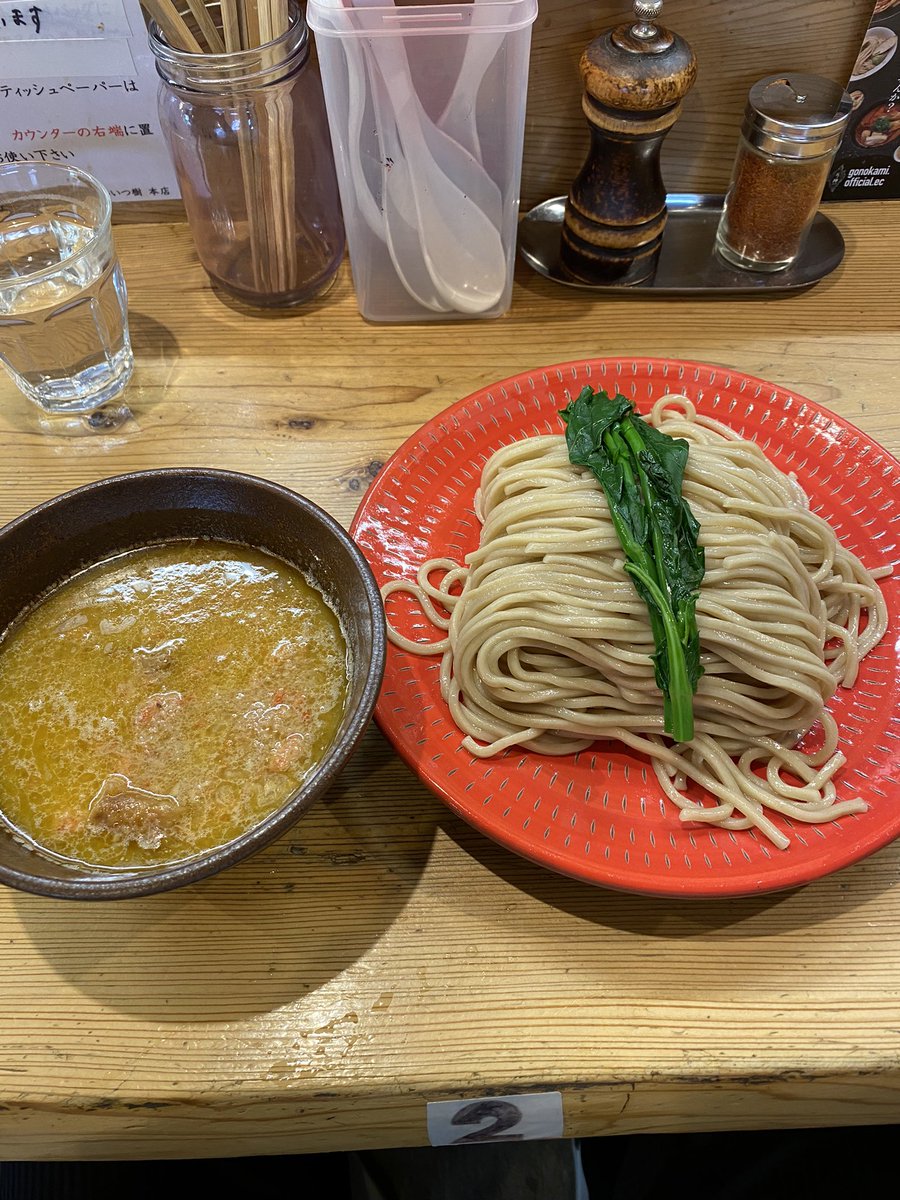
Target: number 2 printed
{"x":518,"y":1118}
{"x":504,"y":1115}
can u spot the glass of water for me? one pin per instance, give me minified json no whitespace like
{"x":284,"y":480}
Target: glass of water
{"x":63,"y":310}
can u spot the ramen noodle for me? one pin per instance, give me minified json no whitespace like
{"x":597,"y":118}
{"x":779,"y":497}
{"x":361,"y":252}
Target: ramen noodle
{"x":548,"y":645}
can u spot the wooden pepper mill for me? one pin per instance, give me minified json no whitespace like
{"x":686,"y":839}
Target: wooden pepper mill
{"x":635,"y":77}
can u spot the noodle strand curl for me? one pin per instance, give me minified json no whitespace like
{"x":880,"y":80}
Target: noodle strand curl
{"x":547,"y":645}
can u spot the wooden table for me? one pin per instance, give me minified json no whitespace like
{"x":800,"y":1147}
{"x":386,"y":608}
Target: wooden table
{"x":383,"y":954}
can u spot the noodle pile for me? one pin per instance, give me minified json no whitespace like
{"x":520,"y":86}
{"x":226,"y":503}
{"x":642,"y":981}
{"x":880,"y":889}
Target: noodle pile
{"x":548,"y":644}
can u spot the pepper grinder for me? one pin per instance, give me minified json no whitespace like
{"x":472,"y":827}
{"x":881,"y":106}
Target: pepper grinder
{"x":635,"y":77}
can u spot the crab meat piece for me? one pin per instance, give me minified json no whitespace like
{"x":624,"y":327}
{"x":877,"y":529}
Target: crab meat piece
{"x":131,"y":813}
{"x":287,"y":753}
{"x":157,"y":710}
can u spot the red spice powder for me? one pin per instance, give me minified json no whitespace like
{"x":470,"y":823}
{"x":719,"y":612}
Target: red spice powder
{"x":771,"y":204}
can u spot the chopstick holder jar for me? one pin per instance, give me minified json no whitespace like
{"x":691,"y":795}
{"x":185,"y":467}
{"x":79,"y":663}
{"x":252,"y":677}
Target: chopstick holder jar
{"x":792,"y":127}
{"x":248,"y":135}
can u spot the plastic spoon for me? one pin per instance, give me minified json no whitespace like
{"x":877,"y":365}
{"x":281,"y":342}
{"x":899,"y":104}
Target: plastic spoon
{"x":356,"y":111}
{"x":453,"y":197}
{"x":356,"y":101}
{"x":458,"y":118}
{"x":455,"y":159}
{"x":399,"y":224}
{"x":394,"y":223}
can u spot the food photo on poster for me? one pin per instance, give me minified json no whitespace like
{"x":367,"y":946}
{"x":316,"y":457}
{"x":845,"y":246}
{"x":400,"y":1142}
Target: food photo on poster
{"x":867,"y":163}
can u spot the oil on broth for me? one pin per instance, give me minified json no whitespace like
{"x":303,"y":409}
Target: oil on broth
{"x":165,"y":701}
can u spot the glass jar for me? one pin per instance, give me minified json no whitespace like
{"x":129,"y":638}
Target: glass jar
{"x":249,"y":138}
{"x":791,"y":129}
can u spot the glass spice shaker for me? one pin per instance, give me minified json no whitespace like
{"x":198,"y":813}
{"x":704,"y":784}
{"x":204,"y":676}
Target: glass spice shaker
{"x":791,"y":130}
{"x":249,"y":138}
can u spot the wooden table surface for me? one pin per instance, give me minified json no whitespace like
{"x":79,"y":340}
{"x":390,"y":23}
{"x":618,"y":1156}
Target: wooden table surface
{"x":382,"y":954}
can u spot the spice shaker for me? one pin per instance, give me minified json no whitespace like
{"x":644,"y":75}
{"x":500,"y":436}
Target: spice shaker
{"x":792,"y":127}
{"x":635,"y":77}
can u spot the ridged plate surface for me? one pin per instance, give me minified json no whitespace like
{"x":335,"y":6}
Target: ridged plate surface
{"x":600,"y":815}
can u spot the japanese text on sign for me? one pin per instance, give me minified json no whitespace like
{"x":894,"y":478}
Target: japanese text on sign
{"x":103,"y":119}
{"x":19,"y":18}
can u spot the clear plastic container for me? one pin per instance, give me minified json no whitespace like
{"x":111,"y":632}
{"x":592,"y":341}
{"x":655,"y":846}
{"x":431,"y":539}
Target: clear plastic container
{"x":248,"y":135}
{"x":426,"y":105}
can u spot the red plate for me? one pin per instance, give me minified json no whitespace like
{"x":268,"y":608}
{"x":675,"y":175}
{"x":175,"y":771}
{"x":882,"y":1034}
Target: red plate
{"x":600,"y":815}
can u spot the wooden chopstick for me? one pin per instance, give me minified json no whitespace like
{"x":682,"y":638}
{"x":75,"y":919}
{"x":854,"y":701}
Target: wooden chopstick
{"x":172,"y":24}
{"x":273,"y":19}
{"x":244,"y":25}
{"x":231,"y":25}
{"x":232,"y":29}
{"x":265,"y":141}
{"x":249,"y":14}
{"x":248,"y":24}
{"x":207,"y":26}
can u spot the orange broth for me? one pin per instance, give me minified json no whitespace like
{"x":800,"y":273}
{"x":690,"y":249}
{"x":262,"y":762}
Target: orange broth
{"x":165,"y":701}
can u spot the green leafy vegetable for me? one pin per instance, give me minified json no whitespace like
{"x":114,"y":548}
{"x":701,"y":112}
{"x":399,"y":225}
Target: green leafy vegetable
{"x":641,"y":471}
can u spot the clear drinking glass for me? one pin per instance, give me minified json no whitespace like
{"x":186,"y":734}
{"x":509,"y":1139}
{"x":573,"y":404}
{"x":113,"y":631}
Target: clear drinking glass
{"x":63,"y":309}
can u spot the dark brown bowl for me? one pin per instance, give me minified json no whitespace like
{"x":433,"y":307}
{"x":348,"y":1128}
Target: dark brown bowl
{"x":55,"y":540}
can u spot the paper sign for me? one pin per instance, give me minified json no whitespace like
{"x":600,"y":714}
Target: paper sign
{"x":78,"y":85}
{"x":534,"y":1116}
{"x":51,"y":20}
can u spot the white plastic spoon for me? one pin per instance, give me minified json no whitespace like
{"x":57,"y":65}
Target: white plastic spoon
{"x":461,"y":244}
{"x":458,"y":118}
{"x":392,"y":224}
{"x":356,"y":111}
{"x":399,"y":224}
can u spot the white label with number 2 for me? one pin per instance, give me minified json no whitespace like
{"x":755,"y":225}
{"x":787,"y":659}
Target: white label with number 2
{"x":495,"y":1119}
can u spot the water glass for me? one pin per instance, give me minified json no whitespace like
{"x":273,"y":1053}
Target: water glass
{"x":63,"y":313}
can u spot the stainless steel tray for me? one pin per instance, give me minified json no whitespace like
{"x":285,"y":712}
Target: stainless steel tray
{"x":688,"y":264}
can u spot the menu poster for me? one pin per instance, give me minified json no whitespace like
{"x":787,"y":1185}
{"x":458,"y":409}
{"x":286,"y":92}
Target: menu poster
{"x":867,"y":164}
{"x":78,"y":85}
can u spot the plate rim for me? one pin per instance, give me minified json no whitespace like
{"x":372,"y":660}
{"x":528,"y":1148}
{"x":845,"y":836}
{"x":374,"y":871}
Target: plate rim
{"x":780,"y":878}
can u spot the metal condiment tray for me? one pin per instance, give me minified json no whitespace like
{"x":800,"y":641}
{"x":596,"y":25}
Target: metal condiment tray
{"x":688,"y":264}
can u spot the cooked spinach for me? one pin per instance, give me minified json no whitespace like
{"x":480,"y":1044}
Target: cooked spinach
{"x":641,"y":471}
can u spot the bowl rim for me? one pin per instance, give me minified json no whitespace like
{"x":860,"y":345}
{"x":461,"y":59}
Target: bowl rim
{"x":152,"y":880}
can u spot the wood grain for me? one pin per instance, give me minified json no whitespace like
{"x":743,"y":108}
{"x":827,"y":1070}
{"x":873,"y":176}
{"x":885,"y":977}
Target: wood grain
{"x":383,"y":954}
{"x":736,"y":43}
